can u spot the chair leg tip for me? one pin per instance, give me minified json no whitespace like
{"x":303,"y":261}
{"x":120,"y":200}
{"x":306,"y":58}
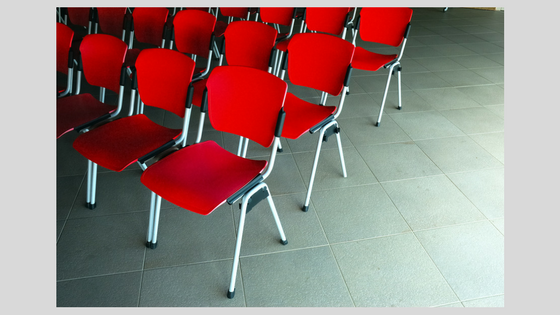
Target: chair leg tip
{"x":279,"y":150}
{"x":284,"y":242}
{"x":305,"y":208}
{"x":231,"y":294}
{"x":377,"y":124}
{"x":151,"y":245}
{"x":91,"y":206}
{"x":399,"y":108}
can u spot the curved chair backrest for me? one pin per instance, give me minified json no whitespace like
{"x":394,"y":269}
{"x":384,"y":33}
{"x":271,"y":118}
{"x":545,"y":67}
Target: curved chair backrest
{"x":326,"y":20}
{"x":384,"y":25}
{"x":246,"y":102}
{"x":193,"y":31}
{"x":102,"y":59}
{"x":79,"y":16}
{"x":241,"y":13}
{"x":64,"y":35}
{"x":282,"y":15}
{"x":249,"y":44}
{"x":319,"y":61}
{"x":164,"y":76}
{"x":149,"y":24}
{"x":112,"y":20}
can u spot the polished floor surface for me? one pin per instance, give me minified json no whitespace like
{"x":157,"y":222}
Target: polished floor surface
{"x":418,"y":222}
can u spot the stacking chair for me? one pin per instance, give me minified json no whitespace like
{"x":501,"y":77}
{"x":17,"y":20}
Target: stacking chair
{"x":388,"y":26}
{"x":64,"y":57}
{"x":248,"y":44}
{"x":230,"y":13}
{"x":112,"y":21}
{"x":201,"y":177}
{"x":332,"y":20}
{"x":321,"y":62}
{"x":101,"y":61}
{"x":149,"y":26}
{"x":162,"y":78}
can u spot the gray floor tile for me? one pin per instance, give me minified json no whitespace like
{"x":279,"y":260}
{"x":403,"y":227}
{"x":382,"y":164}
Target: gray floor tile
{"x":366,"y":209}
{"x":439,"y":64}
{"x":431,"y":202}
{"x":454,"y":49}
{"x":494,"y":301}
{"x":285,"y":177}
{"x":497,"y":109}
{"x":119,"y":290}
{"x":410,"y":101}
{"x":394,"y":161}
{"x":67,"y":188}
{"x":493,"y":143}
{"x":427,"y":80}
{"x":186,"y":237}
{"x":457,"y":154}
{"x":362,"y":131}
{"x":392,"y":271}
{"x":426,"y":125}
{"x":261,"y":236}
{"x":470,"y":257}
{"x":101,"y":245}
{"x":494,"y":75}
{"x":475,"y":61}
{"x":463,"y":77}
{"x":485,"y":189}
{"x":377,"y":82}
{"x":308,"y":142}
{"x":447,"y":98}
{"x":198,"y":285}
{"x":485,"y":94}
{"x":329,"y":169}
{"x":356,"y":105}
{"x":301,"y":278}
{"x":474,"y":120}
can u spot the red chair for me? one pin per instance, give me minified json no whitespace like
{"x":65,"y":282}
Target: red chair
{"x":322,"y":62}
{"x":149,"y":26}
{"x":279,"y":16}
{"x":101,"y":61}
{"x":64,"y":57}
{"x":388,"y":26}
{"x":201,"y":177}
{"x":81,"y":16}
{"x":112,"y":21}
{"x":323,"y":20}
{"x":163,"y":78}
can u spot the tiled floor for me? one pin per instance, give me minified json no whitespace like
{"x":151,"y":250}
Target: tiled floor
{"x":419,"y":221}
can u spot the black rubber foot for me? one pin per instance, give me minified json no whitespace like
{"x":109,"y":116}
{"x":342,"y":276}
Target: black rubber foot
{"x":230,"y":295}
{"x":377,"y":124}
{"x":284,"y":242}
{"x":91,"y":206}
{"x":305,"y":208}
{"x":399,"y":108}
{"x":279,"y":150}
{"x":151,"y":245}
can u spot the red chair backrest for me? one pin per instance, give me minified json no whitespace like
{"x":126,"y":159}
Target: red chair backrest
{"x":193,"y":31}
{"x":249,"y":44}
{"x":326,"y":20}
{"x":384,"y":25}
{"x":111,"y":20}
{"x":102,"y":59}
{"x":64,"y":35}
{"x":149,"y":24}
{"x":245,"y":101}
{"x":79,"y":16}
{"x":282,"y":16}
{"x":235,"y":12}
{"x":163,"y":78}
{"x":319,"y":61}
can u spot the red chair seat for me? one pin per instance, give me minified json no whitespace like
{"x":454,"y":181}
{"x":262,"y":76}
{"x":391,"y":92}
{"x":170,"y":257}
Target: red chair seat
{"x":124,"y":147}
{"x":367,"y":60}
{"x":76,"y":110}
{"x":200,"y":177}
{"x":283,"y":45}
{"x":302,"y":116}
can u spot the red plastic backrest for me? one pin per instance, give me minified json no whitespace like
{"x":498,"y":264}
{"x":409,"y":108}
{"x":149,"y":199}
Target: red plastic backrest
{"x":193,"y":31}
{"x":319,"y":61}
{"x":149,"y":24}
{"x":235,"y":12}
{"x":79,"y":16}
{"x":282,"y":16}
{"x":384,"y":25}
{"x":64,"y":35}
{"x":111,"y":20}
{"x":249,"y":44}
{"x":326,"y":20}
{"x":245,"y":101}
{"x":163,"y":78}
{"x":102,"y":60}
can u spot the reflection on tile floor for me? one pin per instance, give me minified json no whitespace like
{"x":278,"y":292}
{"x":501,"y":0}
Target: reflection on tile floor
{"x":419,"y":221}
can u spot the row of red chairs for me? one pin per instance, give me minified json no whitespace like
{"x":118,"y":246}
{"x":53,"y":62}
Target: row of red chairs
{"x":245,"y":98}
